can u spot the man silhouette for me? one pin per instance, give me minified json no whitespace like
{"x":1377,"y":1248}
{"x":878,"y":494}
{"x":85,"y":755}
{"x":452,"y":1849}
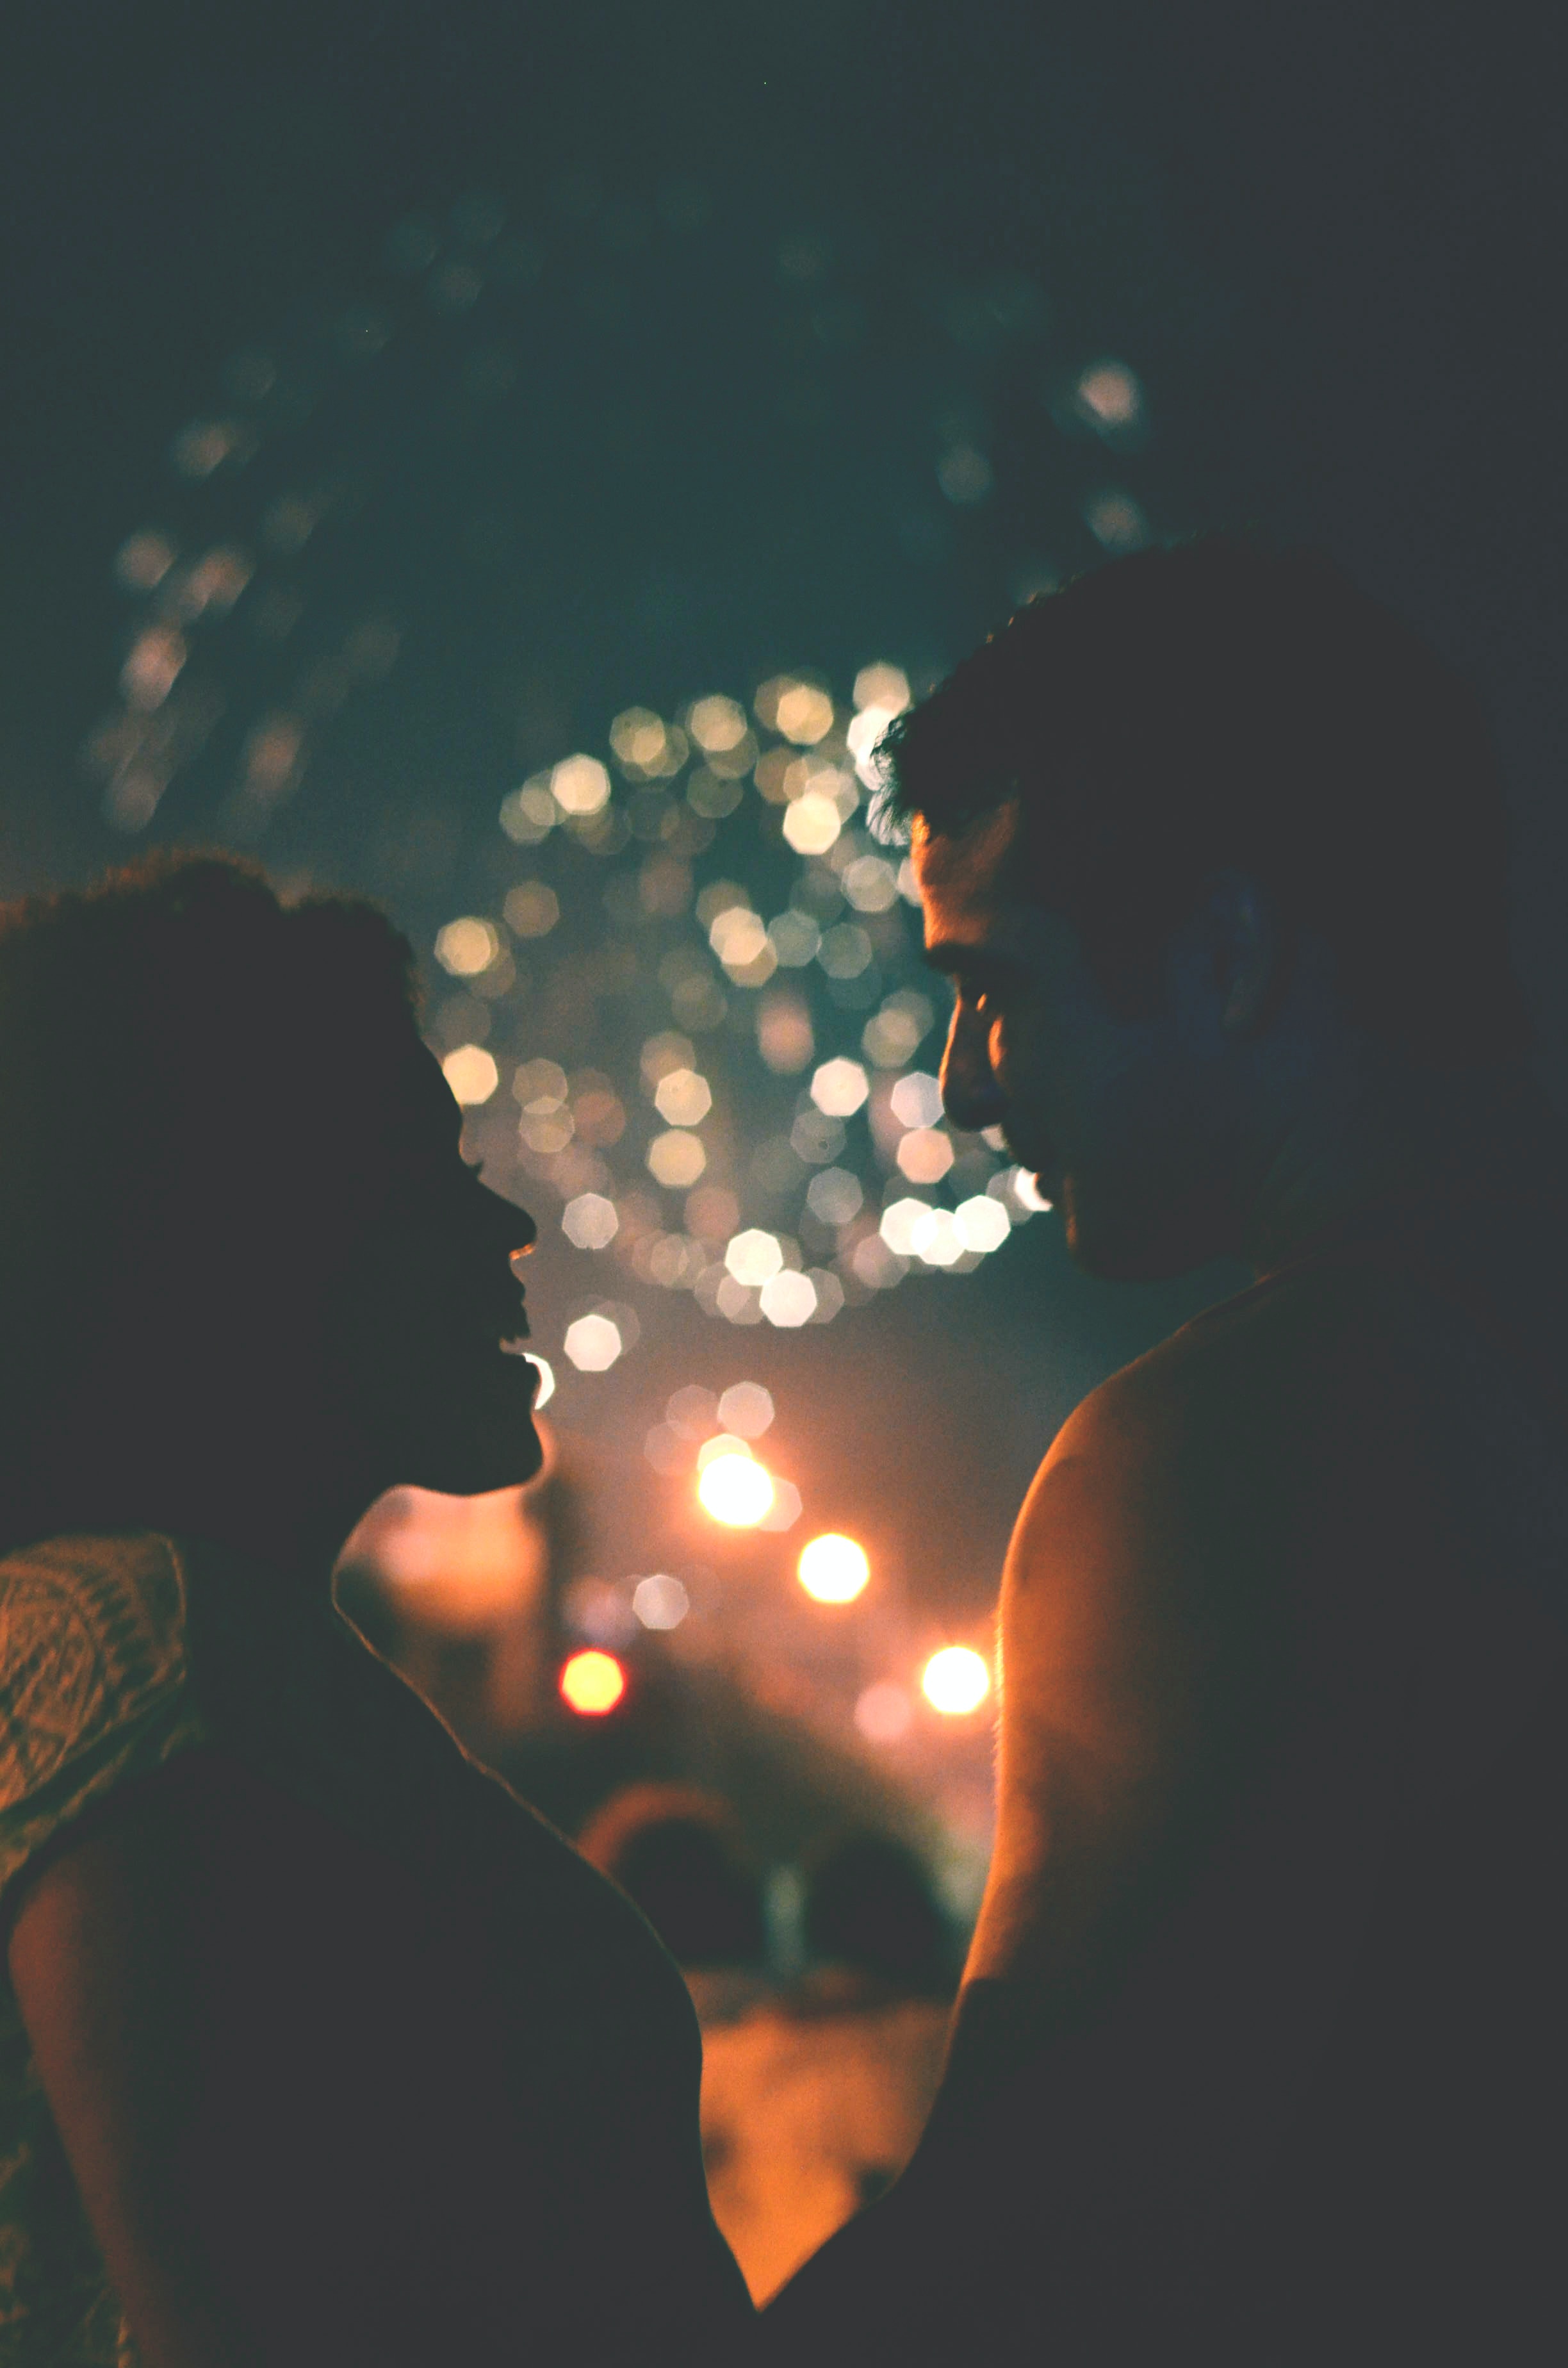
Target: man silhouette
{"x":1258,"y":2056}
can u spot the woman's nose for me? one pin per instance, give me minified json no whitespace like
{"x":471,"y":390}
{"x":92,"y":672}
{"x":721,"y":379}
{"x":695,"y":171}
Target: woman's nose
{"x":515,"y":1228}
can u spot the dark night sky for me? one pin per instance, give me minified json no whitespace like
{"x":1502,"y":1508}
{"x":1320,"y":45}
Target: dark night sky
{"x":1357,"y":212}
{"x":1331,"y":238}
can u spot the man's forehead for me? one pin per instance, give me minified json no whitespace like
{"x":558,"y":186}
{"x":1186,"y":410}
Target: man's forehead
{"x":965,"y":876}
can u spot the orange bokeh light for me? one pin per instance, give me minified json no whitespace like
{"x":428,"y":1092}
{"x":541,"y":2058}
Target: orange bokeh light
{"x":955,"y":1681}
{"x":833,"y":1569}
{"x":592,"y":1683}
{"x":737,"y":1490}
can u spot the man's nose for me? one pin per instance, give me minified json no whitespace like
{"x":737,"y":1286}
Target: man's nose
{"x":971,"y":1094}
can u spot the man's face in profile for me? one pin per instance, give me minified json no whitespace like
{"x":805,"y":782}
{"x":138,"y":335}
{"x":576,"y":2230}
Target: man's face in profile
{"x":1126,"y":1124}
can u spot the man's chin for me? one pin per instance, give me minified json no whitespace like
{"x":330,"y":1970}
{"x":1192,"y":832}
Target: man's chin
{"x":1124,"y":1245}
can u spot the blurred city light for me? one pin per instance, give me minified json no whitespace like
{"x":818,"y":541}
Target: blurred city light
{"x":467,"y":947}
{"x":716,"y":723}
{"x":834,"y":1196}
{"x":785,"y":1509}
{"x":812,"y":824}
{"x":955,"y":1681}
{"x":531,"y":909}
{"x":925,"y":1155}
{"x":916,"y":1100}
{"x":580,"y":785}
{"x":546,"y":1389}
{"x":735,"y":1489}
{"x":471,"y":1073}
{"x":676,"y":1159}
{"x":935,"y":1238}
{"x":882,"y":685}
{"x":789,"y":1300}
{"x":745,"y":1408}
{"x":1115,"y":521}
{"x":590,"y":1221}
{"x":592,"y":1682}
{"x":981,"y":1223}
{"x":1109,"y":397}
{"x":964,"y":475}
{"x":839,"y":1087}
{"x":833,"y":1568}
{"x":900,"y":1220}
{"x":754,"y":1256}
{"x":660,"y":1601}
{"x":683,"y":1099}
{"x":795,"y":939}
{"x":883,"y":1713}
{"x":593,"y":1343}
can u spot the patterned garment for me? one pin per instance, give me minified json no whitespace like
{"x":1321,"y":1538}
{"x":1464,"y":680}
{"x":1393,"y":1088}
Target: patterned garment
{"x":117,"y":1653}
{"x":92,"y":1692}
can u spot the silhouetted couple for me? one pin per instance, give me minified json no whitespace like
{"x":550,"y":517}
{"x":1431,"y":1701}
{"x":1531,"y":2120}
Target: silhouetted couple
{"x":319,"y":2046}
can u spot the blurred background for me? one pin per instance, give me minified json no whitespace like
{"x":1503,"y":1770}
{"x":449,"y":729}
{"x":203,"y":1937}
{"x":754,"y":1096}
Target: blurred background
{"x":511,"y":463}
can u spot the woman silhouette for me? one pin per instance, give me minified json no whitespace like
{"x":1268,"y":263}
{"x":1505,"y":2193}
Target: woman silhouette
{"x":317,"y":2045}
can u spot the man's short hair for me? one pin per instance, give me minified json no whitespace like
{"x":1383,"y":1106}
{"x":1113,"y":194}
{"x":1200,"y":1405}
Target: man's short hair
{"x":1224,"y":703}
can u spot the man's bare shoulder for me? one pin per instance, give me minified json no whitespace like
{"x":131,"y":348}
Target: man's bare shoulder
{"x":1280,"y":1370}
{"x":1150,"y":1592}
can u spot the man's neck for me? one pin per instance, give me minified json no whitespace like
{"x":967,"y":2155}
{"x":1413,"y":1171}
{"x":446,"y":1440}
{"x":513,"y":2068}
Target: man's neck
{"x":1394,"y":1133}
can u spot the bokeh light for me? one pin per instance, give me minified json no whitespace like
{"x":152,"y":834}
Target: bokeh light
{"x":981,"y":1223}
{"x":735,"y":1489}
{"x":833,"y":1568}
{"x":590,"y":1221}
{"x":546,"y":1389}
{"x":592,"y":1342}
{"x":531,"y":909}
{"x":754,"y":1256}
{"x":839,"y":1087}
{"x":471,"y":1073}
{"x":592,"y":1682}
{"x":580,"y":785}
{"x":466,"y":947}
{"x":955,"y":1681}
{"x":660,"y":1600}
{"x":916,"y":1100}
{"x":676,"y":1159}
{"x":745,"y":1408}
{"x":925,"y":1154}
{"x":789,"y":1300}
{"x":883,"y":1712}
{"x":683,"y":1097}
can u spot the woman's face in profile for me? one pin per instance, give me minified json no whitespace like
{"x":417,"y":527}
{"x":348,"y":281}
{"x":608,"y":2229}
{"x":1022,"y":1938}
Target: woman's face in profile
{"x":430,"y":1297}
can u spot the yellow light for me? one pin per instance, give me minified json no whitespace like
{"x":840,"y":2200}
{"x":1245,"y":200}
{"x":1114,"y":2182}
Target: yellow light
{"x":833,"y":1569}
{"x":580,"y":785}
{"x":737,"y":1490}
{"x":467,"y":947}
{"x":592,"y":1683}
{"x":955,"y":1681}
{"x":676,"y":1158}
{"x":683,"y":1097}
{"x":471,"y":1073}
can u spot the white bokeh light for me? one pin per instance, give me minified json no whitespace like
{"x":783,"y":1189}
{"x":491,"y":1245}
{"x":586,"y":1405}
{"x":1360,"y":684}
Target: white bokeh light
{"x":593,"y":1343}
{"x":839,"y":1087}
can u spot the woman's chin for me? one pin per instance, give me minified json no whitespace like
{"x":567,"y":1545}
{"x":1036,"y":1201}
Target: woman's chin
{"x":482,"y":1438}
